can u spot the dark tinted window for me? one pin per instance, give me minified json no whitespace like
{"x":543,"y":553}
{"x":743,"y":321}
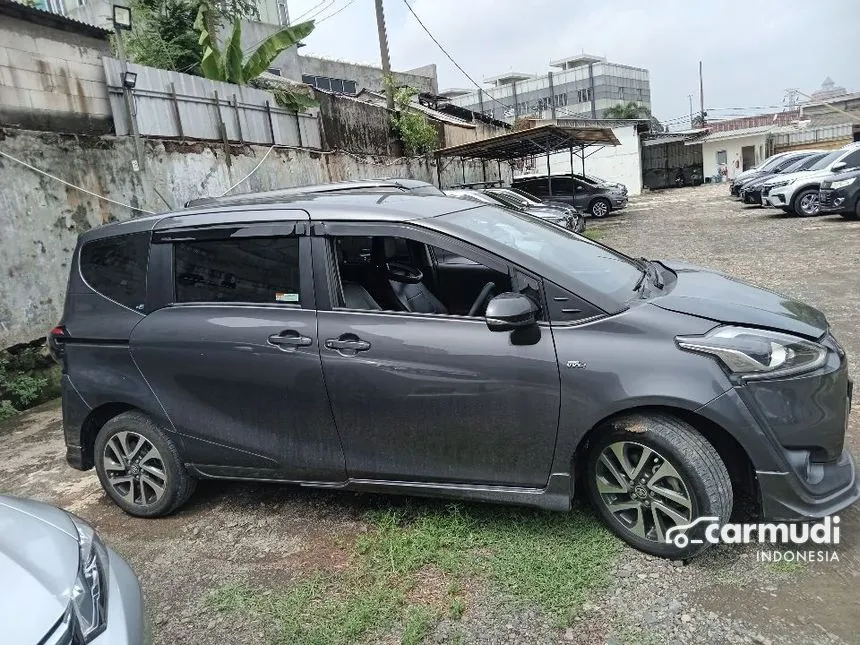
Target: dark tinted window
{"x":261,"y":269}
{"x":852,"y":160}
{"x":562,"y":186}
{"x":116,"y":268}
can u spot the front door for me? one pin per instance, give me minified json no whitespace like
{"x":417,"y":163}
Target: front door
{"x":437,"y":397}
{"x":233,"y":355}
{"x":748,"y":157}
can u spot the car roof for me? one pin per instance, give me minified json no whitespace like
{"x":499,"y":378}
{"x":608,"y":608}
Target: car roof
{"x":391,"y":183}
{"x":361,"y":206}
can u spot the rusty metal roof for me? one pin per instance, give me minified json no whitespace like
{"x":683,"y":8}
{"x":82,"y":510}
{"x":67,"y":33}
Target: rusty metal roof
{"x":532,"y":141}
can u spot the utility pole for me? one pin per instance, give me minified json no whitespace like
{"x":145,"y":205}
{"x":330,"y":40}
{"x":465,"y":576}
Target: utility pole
{"x":383,"y":50}
{"x":701,"y":95}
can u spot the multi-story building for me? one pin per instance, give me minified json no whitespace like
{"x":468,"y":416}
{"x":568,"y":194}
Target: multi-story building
{"x":581,"y":86}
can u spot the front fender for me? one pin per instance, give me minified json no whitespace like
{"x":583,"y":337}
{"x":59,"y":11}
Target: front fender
{"x":625,"y":362}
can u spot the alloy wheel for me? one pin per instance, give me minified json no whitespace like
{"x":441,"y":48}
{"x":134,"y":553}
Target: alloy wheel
{"x":642,"y":489}
{"x":809,"y":204}
{"x":600,"y":209}
{"x":134,"y":468}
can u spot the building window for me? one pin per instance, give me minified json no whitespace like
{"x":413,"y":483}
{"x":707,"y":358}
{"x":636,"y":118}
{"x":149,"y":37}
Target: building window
{"x":274,"y":70}
{"x":583,"y":96}
{"x":560,"y":100}
{"x":722,"y":158}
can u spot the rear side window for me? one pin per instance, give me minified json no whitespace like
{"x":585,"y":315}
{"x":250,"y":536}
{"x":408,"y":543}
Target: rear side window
{"x":116,"y":268}
{"x":251,"y":270}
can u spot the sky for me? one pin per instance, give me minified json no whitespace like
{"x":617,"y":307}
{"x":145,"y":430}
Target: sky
{"x":751,"y":51}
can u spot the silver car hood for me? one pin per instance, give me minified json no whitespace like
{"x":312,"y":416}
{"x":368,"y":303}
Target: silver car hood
{"x":38,"y":564}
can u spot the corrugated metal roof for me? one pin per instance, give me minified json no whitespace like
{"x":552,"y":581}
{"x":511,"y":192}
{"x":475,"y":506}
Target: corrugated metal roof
{"x":49,"y":19}
{"x":733,"y":134}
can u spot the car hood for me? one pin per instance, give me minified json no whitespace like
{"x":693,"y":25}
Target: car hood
{"x":547,"y":211}
{"x":716,"y":296}
{"x":803,"y":174}
{"x":38,"y":565}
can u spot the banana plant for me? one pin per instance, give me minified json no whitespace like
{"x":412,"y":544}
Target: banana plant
{"x":230,"y":65}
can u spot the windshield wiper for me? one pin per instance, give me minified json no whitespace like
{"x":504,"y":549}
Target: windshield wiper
{"x":648,"y":269}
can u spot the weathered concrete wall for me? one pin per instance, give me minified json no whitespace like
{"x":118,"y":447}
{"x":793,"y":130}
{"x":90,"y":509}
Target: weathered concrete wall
{"x":41,"y":218}
{"x":350,"y":124}
{"x":366,"y":76}
{"x":52,"y":79}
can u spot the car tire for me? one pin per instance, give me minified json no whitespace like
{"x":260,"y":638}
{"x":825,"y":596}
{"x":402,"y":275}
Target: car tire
{"x":855,"y":214}
{"x":688,"y":477}
{"x":139,"y":466}
{"x":806,"y":203}
{"x":600,"y":207}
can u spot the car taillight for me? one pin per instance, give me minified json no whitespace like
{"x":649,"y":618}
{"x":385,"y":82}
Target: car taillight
{"x":56,"y":341}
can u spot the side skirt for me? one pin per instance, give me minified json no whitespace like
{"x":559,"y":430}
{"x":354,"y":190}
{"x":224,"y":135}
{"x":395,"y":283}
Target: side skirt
{"x":556,"y":496}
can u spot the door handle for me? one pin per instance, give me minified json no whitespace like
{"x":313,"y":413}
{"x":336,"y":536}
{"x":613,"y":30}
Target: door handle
{"x":353,"y":344}
{"x":289,"y":338}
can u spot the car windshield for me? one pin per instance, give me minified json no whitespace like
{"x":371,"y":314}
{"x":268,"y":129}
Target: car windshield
{"x":829,"y":159}
{"x":600,"y":268}
{"x":771,"y":163}
{"x":510,"y":199}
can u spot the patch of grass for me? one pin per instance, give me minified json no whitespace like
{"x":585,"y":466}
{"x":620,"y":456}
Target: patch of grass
{"x":593,"y":233}
{"x":549,"y":560}
{"x":419,"y":622}
{"x":317,"y":611}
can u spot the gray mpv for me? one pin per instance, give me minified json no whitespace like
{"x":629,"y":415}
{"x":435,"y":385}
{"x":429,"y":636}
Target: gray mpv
{"x":383,"y":341}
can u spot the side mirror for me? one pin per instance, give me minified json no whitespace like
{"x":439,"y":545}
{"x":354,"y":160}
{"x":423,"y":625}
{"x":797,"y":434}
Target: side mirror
{"x":841,"y":165}
{"x":509,"y":311}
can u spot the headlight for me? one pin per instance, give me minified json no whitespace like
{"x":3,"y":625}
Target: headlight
{"x":779,"y":184}
{"x":90,"y":591}
{"x":757,"y":353}
{"x":842,"y":183}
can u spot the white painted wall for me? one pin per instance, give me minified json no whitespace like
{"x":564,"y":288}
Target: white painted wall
{"x":733,"y":154}
{"x":622,"y":163}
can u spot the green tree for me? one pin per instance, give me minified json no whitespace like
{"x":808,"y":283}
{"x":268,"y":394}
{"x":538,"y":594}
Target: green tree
{"x":231,"y":65}
{"x":413,"y":129}
{"x":629,"y":110}
{"x":162,"y":35}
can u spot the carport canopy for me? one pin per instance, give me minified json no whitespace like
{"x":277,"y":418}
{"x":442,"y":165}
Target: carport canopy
{"x":540,"y":140}
{"x":544,"y":139}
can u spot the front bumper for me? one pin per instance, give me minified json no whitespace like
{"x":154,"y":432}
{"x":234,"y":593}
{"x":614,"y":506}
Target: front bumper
{"x":835,"y":201}
{"x":127,"y":622}
{"x":793,"y":430}
{"x":618,"y":201}
{"x":779,"y":197}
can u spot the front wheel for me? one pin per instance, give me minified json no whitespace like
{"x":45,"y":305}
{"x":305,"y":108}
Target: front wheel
{"x":806,"y":203}
{"x":647,"y":474}
{"x":600,"y":207}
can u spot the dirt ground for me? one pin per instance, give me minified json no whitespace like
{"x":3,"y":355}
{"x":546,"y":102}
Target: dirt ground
{"x":271,"y":534}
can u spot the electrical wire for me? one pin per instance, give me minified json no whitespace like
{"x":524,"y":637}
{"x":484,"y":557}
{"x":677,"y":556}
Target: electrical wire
{"x":444,"y":51}
{"x":311,"y":10}
{"x":332,"y":15}
{"x":250,"y":173}
{"x":71,"y":185}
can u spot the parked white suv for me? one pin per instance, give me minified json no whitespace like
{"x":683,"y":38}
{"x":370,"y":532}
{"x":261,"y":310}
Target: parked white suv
{"x":798,"y":192}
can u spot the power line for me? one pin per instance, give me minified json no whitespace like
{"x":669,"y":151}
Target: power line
{"x":332,"y":15}
{"x":444,"y":51}
{"x":311,"y":10}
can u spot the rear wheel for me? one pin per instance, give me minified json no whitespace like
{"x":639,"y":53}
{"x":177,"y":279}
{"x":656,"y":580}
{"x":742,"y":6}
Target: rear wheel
{"x":806,"y":202}
{"x":140,"y":468}
{"x":647,"y":474}
{"x":600,"y":207}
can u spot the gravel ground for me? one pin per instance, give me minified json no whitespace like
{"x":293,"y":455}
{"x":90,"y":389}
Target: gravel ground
{"x":271,"y":534}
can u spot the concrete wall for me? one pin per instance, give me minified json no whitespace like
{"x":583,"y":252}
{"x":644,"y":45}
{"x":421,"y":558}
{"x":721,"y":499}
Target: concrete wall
{"x":254,"y":33}
{"x":733,"y":154}
{"x":366,"y":76}
{"x":622,"y":163}
{"x":40,"y":218}
{"x":52,"y":79}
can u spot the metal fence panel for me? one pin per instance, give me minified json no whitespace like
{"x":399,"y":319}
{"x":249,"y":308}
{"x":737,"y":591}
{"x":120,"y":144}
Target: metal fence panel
{"x":171,"y":104}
